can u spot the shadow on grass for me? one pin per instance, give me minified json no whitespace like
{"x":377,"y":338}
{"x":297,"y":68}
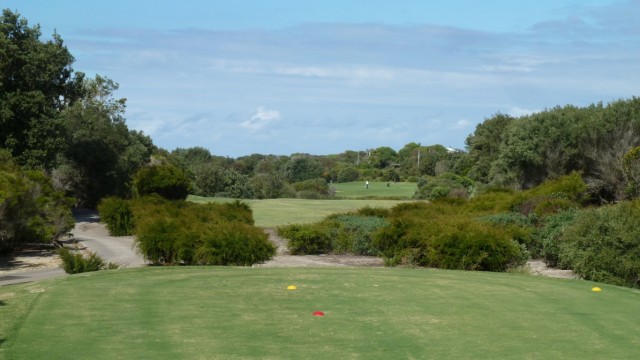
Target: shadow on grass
{"x":2,"y":303}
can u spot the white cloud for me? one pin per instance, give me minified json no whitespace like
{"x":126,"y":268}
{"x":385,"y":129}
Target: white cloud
{"x":461,"y":124}
{"x":261,"y":118}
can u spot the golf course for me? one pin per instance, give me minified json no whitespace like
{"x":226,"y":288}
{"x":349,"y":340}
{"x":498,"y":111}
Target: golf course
{"x":376,"y":313}
{"x":211,"y":312}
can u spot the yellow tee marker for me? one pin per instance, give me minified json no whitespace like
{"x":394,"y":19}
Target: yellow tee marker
{"x":596,"y":289}
{"x":292,"y":287}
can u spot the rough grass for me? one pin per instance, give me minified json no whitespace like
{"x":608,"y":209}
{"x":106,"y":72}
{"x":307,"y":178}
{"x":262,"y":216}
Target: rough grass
{"x":245,"y":313}
{"x":276,"y":212}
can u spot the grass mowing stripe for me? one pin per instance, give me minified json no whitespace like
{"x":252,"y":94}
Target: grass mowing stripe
{"x":238,"y":313}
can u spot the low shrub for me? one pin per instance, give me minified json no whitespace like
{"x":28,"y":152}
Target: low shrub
{"x":491,"y":200}
{"x":442,"y":186}
{"x":310,"y":195}
{"x":233,"y":243}
{"x":547,"y":237}
{"x":173,"y":233}
{"x":117,"y":215}
{"x":373,"y":211}
{"x":518,"y":227}
{"x":474,"y":246}
{"x":319,"y":186}
{"x":552,"y":196}
{"x":442,"y":235}
{"x":353,"y":233}
{"x":603,"y":244}
{"x":75,"y":262}
{"x":306,"y":239}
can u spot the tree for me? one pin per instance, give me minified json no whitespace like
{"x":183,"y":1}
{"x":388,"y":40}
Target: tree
{"x":166,"y":180}
{"x":484,"y":145}
{"x":302,"y":167}
{"x":36,"y":83}
{"x":102,"y":153}
{"x":383,"y":157}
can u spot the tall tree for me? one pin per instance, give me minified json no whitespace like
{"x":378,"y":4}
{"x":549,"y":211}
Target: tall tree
{"x":102,"y":154}
{"x":36,"y":83}
{"x":484,"y":145}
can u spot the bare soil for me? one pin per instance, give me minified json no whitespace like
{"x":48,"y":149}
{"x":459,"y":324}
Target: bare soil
{"x":29,"y":259}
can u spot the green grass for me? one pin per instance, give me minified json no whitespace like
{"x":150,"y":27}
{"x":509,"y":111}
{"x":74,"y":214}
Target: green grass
{"x":381,"y":313}
{"x":380,"y":190}
{"x":275,"y":212}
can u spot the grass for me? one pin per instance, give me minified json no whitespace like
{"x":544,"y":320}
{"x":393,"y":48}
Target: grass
{"x":380,"y":313}
{"x":380,"y":190}
{"x":275,"y":212}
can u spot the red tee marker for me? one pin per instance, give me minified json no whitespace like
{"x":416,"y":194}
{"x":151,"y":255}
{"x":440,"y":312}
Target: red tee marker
{"x":318,"y":313}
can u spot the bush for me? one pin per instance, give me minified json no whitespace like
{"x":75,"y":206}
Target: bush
{"x":31,"y":210}
{"x":306,"y":239}
{"x":552,"y":196}
{"x":442,"y":235}
{"x":473,"y":246}
{"x":444,"y":185}
{"x":75,"y":262}
{"x":604,"y":244}
{"x":348,"y":174}
{"x":352,"y":233}
{"x":547,"y":237}
{"x":233,"y":243}
{"x":373,"y":211}
{"x":117,"y":215}
{"x":209,"y":234}
{"x":166,"y":180}
{"x":518,"y":227}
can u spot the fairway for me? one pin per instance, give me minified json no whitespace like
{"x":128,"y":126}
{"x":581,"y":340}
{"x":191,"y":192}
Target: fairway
{"x":381,"y":313}
{"x":275,"y":212}
{"x":380,"y":190}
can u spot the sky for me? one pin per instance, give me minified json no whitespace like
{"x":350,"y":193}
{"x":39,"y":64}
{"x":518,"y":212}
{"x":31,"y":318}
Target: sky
{"x":322,"y":77}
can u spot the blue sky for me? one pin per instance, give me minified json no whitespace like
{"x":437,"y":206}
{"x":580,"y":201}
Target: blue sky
{"x":321,"y":77}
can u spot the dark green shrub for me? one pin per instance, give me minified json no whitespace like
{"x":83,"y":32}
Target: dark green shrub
{"x":353,"y":234}
{"x":518,"y":227}
{"x":117,"y":215}
{"x":319,"y":186}
{"x":603,"y":244}
{"x":492,"y":200}
{"x":442,"y":186}
{"x":157,"y":239}
{"x":348,"y":174}
{"x":31,"y":210}
{"x":547,"y":237}
{"x":442,"y":235}
{"x":306,"y":239}
{"x":552,"y":196}
{"x":185,"y":233}
{"x":75,"y":262}
{"x":233,"y":243}
{"x":473,"y":246}
{"x":166,"y":180}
